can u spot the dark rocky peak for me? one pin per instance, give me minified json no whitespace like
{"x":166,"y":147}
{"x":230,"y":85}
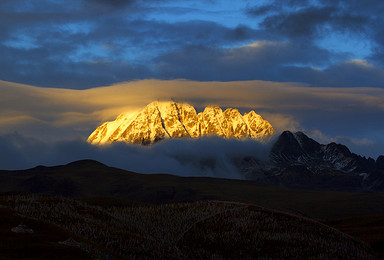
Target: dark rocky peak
{"x":333,"y":149}
{"x":368,"y":164}
{"x":298,"y":148}
{"x":287,"y":146}
{"x":291,"y":146}
{"x":340,"y":154}
{"x":308,"y":145}
{"x":380,"y":162}
{"x":296,"y":160}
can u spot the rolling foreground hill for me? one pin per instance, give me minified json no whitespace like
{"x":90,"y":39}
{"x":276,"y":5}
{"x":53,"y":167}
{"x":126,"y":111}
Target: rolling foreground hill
{"x":200,"y":230}
{"x":112,"y":212}
{"x":89,"y":178}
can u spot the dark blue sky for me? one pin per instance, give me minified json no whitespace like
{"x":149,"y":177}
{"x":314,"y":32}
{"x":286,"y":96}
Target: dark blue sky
{"x":89,"y":43}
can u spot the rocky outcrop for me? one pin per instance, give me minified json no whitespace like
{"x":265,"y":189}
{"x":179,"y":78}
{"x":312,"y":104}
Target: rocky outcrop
{"x":296,"y":160}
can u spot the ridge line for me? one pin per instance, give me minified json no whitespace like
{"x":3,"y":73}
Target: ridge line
{"x":178,"y":117}
{"x":162,"y":120}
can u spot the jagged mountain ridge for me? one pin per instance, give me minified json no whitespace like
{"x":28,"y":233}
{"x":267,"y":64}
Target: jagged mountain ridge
{"x":296,"y":160}
{"x":160,"y":120}
{"x":299,"y":148}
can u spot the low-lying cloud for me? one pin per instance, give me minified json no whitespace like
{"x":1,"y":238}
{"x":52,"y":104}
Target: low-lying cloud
{"x":206,"y":156}
{"x":209,"y":156}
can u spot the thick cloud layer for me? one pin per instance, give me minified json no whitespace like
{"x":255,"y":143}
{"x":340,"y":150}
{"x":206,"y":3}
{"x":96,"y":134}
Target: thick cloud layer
{"x":214,"y":157}
{"x":88,"y":43}
{"x":62,"y":114}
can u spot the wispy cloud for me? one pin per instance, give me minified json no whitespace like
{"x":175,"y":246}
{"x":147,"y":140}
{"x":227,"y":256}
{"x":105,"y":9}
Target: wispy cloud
{"x":65,"y":113}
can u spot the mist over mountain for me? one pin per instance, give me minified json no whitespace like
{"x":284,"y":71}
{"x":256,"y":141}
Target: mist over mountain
{"x":206,"y":156}
{"x":290,"y":159}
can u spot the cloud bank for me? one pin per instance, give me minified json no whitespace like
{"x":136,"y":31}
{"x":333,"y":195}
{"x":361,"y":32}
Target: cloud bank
{"x":209,"y":157}
{"x":62,"y":114}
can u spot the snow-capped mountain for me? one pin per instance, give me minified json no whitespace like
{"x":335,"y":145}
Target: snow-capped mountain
{"x":160,"y":120}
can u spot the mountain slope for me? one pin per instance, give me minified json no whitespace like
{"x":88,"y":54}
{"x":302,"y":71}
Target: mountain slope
{"x":298,"y":161}
{"x":160,"y":120}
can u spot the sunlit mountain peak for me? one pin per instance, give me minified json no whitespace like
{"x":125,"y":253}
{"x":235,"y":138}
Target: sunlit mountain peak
{"x":160,"y":120}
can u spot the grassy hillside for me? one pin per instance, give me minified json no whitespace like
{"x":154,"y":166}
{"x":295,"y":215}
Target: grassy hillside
{"x":368,"y":228}
{"x":199,"y":230}
{"x":123,"y":193}
{"x":43,"y":244}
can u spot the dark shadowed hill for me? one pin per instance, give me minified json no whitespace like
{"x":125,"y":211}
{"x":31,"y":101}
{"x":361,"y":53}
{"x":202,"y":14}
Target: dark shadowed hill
{"x":89,"y":179}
